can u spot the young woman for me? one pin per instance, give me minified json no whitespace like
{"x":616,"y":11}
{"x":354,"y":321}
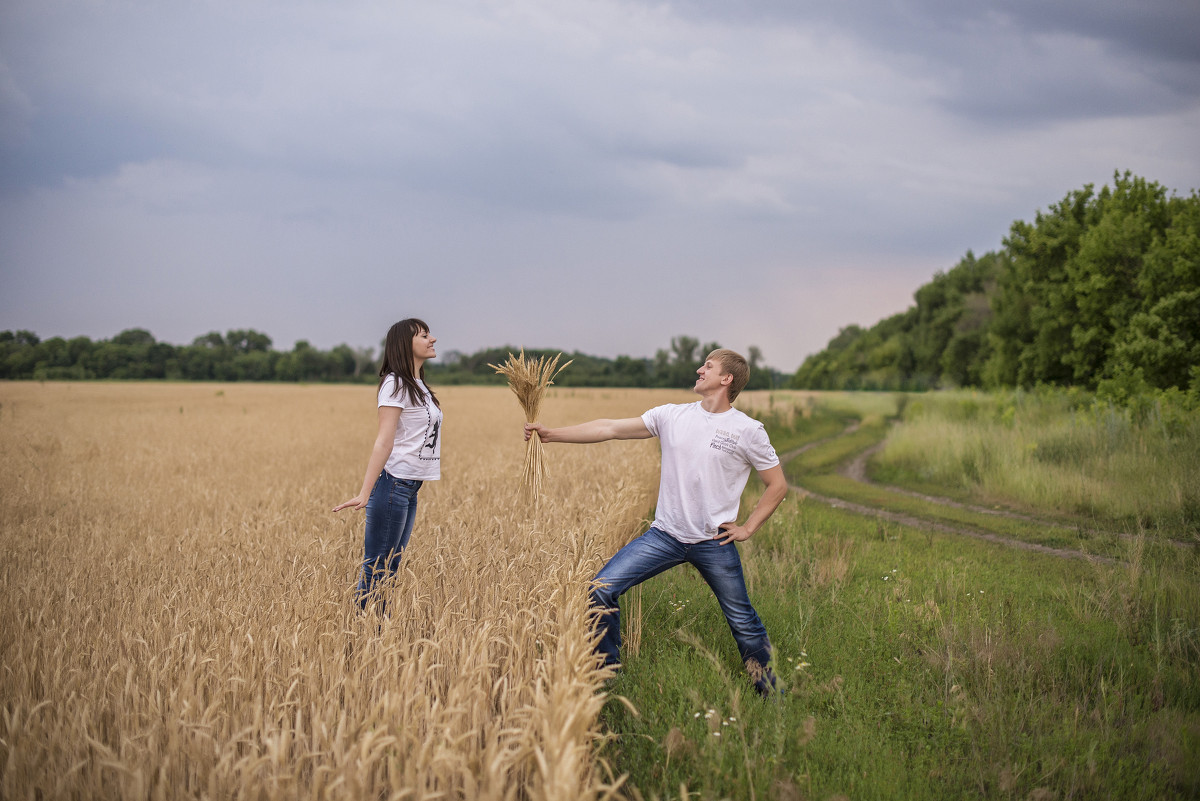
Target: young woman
{"x":407,"y":452}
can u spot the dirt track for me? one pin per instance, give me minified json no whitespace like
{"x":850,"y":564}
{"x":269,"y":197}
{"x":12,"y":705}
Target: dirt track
{"x":856,"y":470}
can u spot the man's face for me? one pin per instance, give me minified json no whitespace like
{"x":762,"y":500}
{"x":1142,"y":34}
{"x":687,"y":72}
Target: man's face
{"x":711,"y":378}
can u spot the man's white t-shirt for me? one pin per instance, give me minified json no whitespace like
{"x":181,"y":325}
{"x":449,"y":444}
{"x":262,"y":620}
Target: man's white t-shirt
{"x":706,"y":460}
{"x":417,"y":449}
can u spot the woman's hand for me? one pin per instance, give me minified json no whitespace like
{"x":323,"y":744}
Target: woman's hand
{"x":358,"y":502}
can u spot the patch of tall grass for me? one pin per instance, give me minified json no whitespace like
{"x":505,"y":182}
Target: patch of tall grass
{"x":1055,"y":451}
{"x":795,"y":417}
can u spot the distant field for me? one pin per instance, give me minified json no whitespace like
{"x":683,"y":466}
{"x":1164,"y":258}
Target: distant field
{"x":177,"y":618}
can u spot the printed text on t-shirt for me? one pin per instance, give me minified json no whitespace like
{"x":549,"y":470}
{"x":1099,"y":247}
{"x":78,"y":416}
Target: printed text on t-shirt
{"x":724,"y":441}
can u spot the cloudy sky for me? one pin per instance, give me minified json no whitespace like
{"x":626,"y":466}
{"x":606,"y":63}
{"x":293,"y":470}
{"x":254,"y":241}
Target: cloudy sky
{"x":598,"y":175}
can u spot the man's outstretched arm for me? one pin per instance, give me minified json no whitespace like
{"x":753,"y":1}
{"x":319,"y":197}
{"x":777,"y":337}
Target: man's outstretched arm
{"x":592,"y":431}
{"x":773,"y":495}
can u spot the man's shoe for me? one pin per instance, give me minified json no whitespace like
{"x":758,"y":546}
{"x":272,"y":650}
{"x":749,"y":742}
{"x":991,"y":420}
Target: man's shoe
{"x":766,"y":685}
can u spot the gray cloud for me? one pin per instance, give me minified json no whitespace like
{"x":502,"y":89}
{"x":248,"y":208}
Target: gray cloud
{"x":1021,"y":61}
{"x":760,"y":169}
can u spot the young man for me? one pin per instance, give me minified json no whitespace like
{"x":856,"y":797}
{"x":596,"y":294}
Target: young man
{"x":708,"y":448}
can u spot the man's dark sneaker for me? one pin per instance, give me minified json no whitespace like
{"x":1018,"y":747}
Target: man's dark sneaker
{"x":766,"y":685}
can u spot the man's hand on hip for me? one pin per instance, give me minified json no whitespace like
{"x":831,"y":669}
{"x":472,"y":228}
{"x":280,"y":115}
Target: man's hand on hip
{"x":732,"y":532}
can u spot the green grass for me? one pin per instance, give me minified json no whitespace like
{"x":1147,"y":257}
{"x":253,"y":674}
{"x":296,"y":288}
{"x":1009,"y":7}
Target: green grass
{"x":1055,"y":527}
{"x":1077,"y":536}
{"x":939,"y":667}
{"x":931,"y":665}
{"x":829,"y":455}
{"x":1059,"y":451}
{"x":790,"y":432}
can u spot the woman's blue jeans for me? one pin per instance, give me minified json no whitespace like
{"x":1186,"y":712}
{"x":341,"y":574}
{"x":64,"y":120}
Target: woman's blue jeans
{"x":391,"y":510}
{"x":720,"y":566}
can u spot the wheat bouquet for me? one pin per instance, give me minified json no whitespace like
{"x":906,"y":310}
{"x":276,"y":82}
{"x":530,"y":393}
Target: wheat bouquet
{"x":528,"y":379}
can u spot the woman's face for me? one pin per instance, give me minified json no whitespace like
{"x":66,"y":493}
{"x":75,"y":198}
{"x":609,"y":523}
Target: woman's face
{"x":422,"y":345}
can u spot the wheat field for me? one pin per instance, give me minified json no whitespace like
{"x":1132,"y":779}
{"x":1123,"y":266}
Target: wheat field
{"x":177,"y":606}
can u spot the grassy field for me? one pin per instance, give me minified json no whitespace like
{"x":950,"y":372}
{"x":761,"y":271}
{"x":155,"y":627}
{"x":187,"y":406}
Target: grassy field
{"x":925,"y":664}
{"x":177,"y":619}
{"x":1056,"y":452}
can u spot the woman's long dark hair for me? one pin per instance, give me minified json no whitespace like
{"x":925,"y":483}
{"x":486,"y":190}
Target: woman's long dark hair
{"x":398,"y":359}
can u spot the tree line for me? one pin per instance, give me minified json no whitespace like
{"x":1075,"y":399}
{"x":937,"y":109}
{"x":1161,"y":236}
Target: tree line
{"x":1102,"y":291}
{"x":671,"y":367}
{"x":247,"y":355}
{"x":239,"y":355}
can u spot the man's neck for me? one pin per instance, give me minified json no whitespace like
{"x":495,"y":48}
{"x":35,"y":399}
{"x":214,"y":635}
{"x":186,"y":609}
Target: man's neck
{"x":716,"y":403}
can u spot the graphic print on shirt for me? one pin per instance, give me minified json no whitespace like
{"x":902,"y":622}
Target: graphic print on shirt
{"x":432,"y":432}
{"x":724,"y":441}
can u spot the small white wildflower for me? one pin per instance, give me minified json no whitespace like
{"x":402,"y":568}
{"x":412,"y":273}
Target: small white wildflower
{"x":696,"y":715}
{"x":716,"y":734}
{"x":724,"y":722}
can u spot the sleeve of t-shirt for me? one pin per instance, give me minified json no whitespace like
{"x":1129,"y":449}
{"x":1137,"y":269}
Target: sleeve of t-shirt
{"x":386,"y":398}
{"x":652,"y":418}
{"x":759,"y":450}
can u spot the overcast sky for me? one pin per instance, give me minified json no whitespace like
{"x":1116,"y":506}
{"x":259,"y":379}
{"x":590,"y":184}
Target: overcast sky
{"x":577,"y":174}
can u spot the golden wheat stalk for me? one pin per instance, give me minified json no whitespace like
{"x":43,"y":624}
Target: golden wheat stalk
{"x":528,"y":379}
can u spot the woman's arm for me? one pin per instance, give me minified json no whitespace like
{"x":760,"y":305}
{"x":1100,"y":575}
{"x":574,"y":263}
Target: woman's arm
{"x":593,"y":431}
{"x":389,"y":418}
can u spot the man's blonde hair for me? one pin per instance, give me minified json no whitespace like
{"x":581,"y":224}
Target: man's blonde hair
{"x":732,"y":363}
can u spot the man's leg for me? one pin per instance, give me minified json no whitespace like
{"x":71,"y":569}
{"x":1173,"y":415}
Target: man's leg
{"x":721,"y":567}
{"x":643,"y":558}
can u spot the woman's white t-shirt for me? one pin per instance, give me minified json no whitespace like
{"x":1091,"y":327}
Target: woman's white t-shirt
{"x":706,"y":460}
{"x":417,"y":449}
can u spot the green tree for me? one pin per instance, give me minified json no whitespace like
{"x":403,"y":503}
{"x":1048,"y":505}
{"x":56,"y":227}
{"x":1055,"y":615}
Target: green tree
{"x":303,"y":363}
{"x":246,"y":340}
{"x":1103,"y":274}
{"x":255,"y":365}
{"x":134,"y":338}
{"x":1035,"y":304}
{"x":340,"y":364}
{"x":1163,"y":344}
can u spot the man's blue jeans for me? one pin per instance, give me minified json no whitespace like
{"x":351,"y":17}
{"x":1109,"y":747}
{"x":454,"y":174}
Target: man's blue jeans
{"x":391,"y":510}
{"x":720,"y":565}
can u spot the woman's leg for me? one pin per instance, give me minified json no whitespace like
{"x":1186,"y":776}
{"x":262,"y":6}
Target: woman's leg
{"x":405,"y":492}
{"x":388,"y":523}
